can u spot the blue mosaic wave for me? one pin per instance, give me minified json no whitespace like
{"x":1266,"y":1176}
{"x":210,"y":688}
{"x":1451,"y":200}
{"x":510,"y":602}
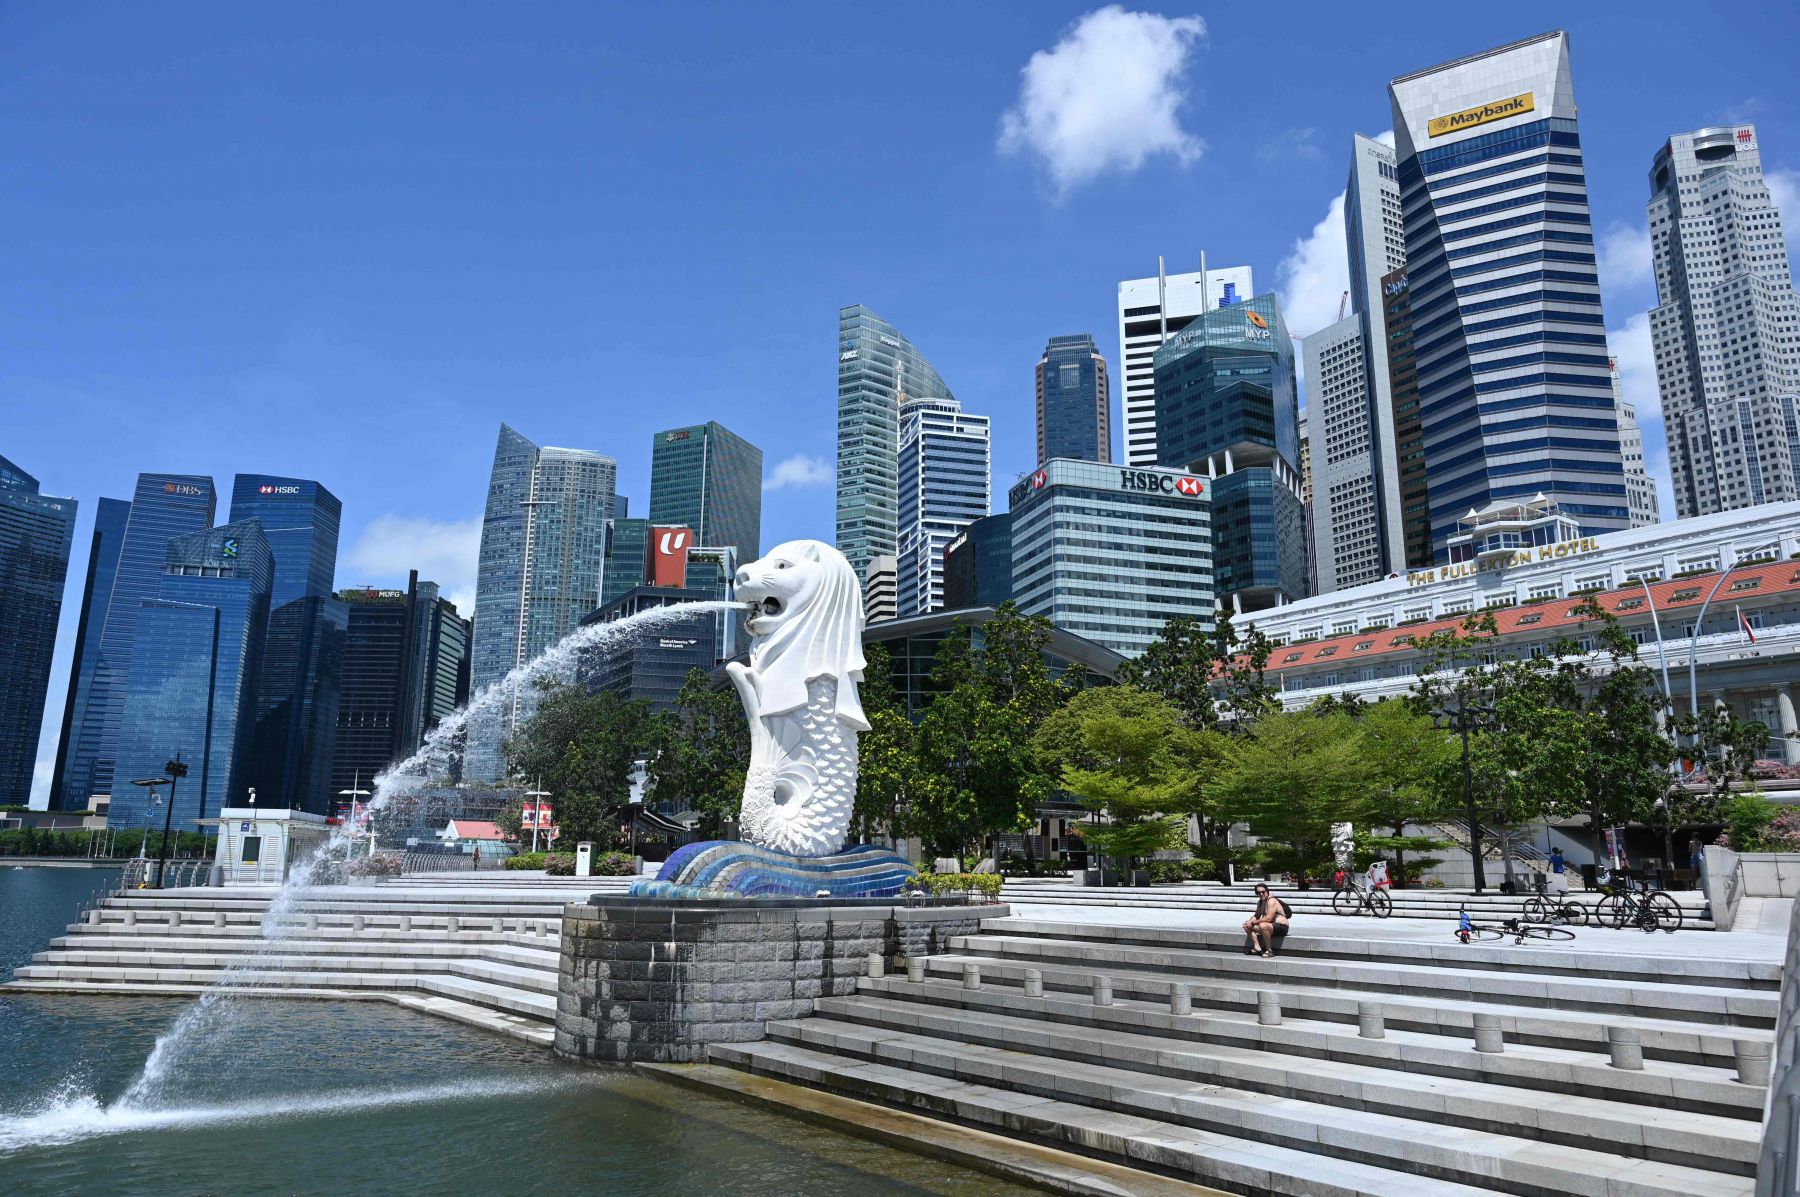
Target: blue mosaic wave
{"x":730,"y":869}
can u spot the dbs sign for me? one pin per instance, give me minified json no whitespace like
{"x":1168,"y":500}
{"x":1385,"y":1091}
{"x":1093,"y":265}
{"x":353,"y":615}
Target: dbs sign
{"x":669,"y":556}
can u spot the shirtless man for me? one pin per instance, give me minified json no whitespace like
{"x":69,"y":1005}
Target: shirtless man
{"x":1270,"y":914}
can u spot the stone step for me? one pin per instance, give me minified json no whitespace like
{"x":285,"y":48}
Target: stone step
{"x":81,"y":948}
{"x":1407,"y":904}
{"x":1663,"y":1039}
{"x":225,"y":966}
{"x":1605,"y":1124}
{"x":1592,"y":995}
{"x":1583,"y":1072}
{"x":1404,"y":1143}
{"x":1319,"y":943}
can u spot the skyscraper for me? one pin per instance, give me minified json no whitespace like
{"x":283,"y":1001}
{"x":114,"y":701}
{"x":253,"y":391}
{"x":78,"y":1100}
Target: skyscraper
{"x":879,"y":599}
{"x":191,"y":687}
{"x":1357,"y":530}
{"x":36,"y":532}
{"x":978,"y":564}
{"x":298,"y":689}
{"x":543,"y":548}
{"x":1510,"y":340}
{"x":163,"y":506}
{"x":1640,"y":491}
{"x":1151,"y":310}
{"x":878,"y":369}
{"x":1074,"y":403}
{"x":1409,"y":428}
{"x":944,"y":470}
{"x":103,"y":562}
{"x":1112,"y":553}
{"x":709,"y":479}
{"x":1725,"y":324}
{"x":627,"y":552}
{"x":405,"y":670}
{"x":1227,"y":408}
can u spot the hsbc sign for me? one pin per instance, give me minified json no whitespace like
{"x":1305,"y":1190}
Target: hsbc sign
{"x":277,"y":490}
{"x":1151,"y":482}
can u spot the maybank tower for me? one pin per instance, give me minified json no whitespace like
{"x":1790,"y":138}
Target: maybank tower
{"x":1515,"y":394}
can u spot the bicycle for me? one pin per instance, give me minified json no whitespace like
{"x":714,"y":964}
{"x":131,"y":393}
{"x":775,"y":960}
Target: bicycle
{"x":1624,"y":906}
{"x":1470,"y":932}
{"x":1555,"y":909}
{"x":1352,"y":898}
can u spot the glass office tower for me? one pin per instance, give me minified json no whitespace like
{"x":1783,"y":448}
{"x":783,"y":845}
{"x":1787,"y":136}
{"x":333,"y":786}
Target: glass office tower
{"x":944,"y":466}
{"x":1509,"y":339}
{"x":1112,"y":553}
{"x":191,"y":687}
{"x":1227,"y":407}
{"x":543,"y":549}
{"x":627,"y":557}
{"x":978,"y":564}
{"x":1074,"y":404}
{"x":709,"y":479}
{"x":163,"y":506}
{"x":36,"y":533}
{"x":297,"y":693}
{"x":878,"y":369}
{"x":103,"y":562}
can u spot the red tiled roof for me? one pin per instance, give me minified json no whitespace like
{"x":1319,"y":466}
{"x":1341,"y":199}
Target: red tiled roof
{"x":1683,"y":594}
{"x":475,"y":829}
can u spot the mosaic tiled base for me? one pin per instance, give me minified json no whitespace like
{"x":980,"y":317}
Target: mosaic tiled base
{"x":729,"y":869}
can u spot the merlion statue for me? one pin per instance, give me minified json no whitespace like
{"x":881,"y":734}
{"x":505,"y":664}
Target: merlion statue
{"x":799,"y":693}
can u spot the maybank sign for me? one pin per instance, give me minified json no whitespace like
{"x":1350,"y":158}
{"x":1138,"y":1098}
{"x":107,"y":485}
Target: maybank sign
{"x":1468,"y":118}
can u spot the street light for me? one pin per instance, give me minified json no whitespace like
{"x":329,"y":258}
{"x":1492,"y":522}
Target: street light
{"x":175,"y":770}
{"x":537,"y":812}
{"x":149,"y":783}
{"x":353,"y":793}
{"x":1462,"y":719}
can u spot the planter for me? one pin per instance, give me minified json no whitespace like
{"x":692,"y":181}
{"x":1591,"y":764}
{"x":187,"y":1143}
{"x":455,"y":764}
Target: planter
{"x":1140,"y":877}
{"x":1099,"y":877}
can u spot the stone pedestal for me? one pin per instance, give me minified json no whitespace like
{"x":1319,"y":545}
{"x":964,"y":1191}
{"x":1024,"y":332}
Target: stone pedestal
{"x":648,"y":980}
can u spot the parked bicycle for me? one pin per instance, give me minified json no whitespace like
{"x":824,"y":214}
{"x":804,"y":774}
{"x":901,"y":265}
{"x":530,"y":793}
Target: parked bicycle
{"x":1626,"y":906}
{"x":1357,"y":897}
{"x":1554,"y":909}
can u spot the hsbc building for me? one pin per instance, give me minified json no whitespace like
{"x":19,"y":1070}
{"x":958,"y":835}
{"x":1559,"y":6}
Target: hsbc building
{"x":1112,"y":553}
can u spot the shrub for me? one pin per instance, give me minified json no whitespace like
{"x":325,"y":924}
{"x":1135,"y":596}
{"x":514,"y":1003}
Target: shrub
{"x":382,"y":864}
{"x":526,"y":860}
{"x":944,"y":884}
{"x":559,"y":864}
{"x":614,"y":864}
{"x":1747,"y":820}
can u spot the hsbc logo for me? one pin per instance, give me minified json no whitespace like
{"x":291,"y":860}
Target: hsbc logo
{"x":277,"y":490}
{"x":1038,"y":479}
{"x":1149,"y":482}
{"x":671,"y":543}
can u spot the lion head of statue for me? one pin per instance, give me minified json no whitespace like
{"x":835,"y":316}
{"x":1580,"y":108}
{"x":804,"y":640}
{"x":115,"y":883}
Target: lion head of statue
{"x":805,"y":622}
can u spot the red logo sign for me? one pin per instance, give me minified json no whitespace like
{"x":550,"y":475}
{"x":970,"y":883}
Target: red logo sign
{"x":1745,"y":135}
{"x":1188,"y":486}
{"x":1038,"y":479}
{"x":669,"y":556}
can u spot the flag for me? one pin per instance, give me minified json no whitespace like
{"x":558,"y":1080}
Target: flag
{"x":1745,"y":624}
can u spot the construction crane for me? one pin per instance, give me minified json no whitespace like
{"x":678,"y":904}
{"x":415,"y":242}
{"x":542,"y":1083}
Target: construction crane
{"x":1341,"y":304}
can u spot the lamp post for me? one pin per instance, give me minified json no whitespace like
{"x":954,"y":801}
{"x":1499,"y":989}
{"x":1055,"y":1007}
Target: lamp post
{"x":537,"y":797}
{"x":151,"y":784}
{"x":177,"y":771}
{"x":1462,"y":718}
{"x":353,"y":793}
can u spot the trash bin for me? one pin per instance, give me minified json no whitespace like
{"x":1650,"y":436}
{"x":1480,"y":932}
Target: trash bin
{"x":1587,"y":877}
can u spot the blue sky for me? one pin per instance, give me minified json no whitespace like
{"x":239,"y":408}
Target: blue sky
{"x":345,"y":241}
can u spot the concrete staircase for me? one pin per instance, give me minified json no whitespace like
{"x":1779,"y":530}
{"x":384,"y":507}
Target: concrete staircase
{"x":1307,"y":1104}
{"x":482,"y":953}
{"x":1491,"y":907}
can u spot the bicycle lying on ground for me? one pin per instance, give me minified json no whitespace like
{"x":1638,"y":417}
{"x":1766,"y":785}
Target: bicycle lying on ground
{"x":1354,"y":897}
{"x":1469,"y":931}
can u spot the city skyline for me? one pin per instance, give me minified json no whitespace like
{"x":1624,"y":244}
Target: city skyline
{"x":410,"y":493}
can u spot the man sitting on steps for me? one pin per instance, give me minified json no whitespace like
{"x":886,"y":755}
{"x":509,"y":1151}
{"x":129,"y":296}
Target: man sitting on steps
{"x":1268,"y":923}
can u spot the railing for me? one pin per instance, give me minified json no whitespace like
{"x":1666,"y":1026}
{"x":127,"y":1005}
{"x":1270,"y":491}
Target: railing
{"x":1778,"y":1172}
{"x":177,"y":874}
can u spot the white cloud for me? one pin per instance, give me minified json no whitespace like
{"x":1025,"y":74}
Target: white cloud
{"x":798,"y":471}
{"x":1632,"y":349}
{"x":1295,"y":145}
{"x":1312,"y":279}
{"x":1624,"y":253}
{"x":1105,"y":97}
{"x":443,"y":551}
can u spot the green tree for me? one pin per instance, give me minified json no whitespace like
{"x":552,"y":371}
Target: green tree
{"x":581,"y":748}
{"x":1727,"y":747}
{"x":1408,"y":759}
{"x":1128,"y":757}
{"x":1291,"y":775}
{"x":977,"y":771}
{"x":701,"y":753}
{"x":1181,"y":666}
{"x":510,"y":818}
{"x":886,"y":774}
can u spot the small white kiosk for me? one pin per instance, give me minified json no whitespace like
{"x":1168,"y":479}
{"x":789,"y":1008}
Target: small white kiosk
{"x":257,"y":845}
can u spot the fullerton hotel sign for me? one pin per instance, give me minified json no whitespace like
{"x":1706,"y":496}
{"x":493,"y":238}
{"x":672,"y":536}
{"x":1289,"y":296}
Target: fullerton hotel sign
{"x":1468,"y":569}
